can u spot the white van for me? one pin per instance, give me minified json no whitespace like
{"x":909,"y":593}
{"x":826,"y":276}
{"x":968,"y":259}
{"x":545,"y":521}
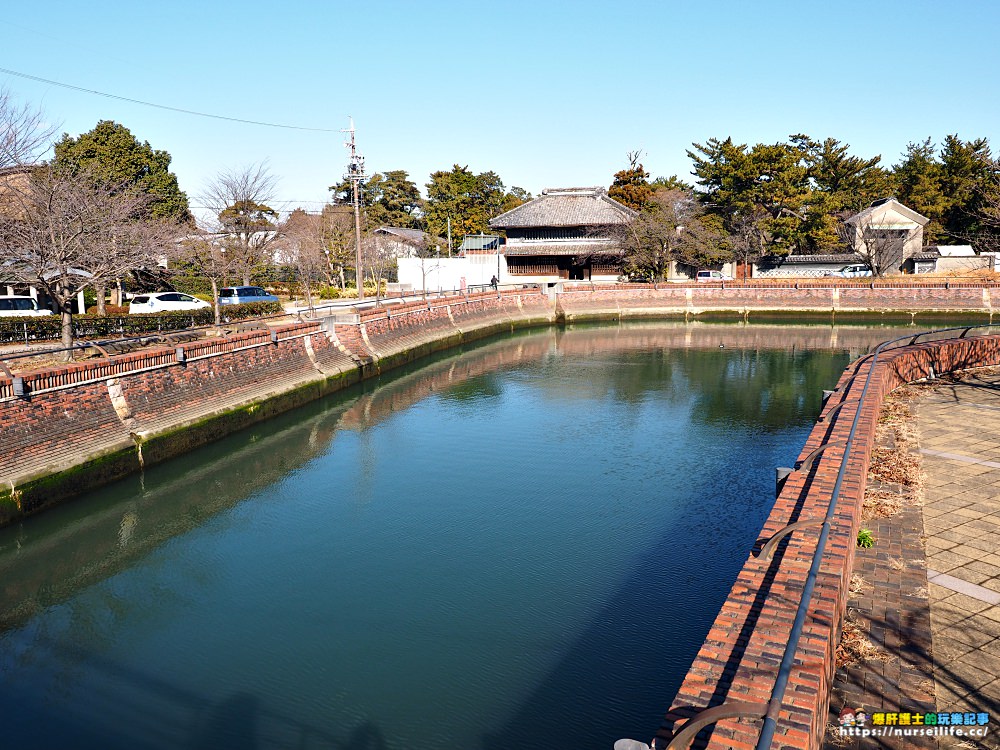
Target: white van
{"x":20,"y":306}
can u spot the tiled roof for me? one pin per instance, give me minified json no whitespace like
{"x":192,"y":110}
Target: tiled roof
{"x":881,"y":207}
{"x":561,"y":248}
{"x":566,"y":207}
{"x":834,"y":258}
{"x":406,"y":235}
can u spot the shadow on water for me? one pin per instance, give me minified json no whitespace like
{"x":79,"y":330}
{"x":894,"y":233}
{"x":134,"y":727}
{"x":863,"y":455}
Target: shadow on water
{"x":149,"y":718}
{"x":626,"y":637}
{"x":231,"y":723}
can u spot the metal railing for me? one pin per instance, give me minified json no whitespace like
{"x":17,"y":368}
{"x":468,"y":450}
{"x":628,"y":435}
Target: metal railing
{"x":309,"y":314}
{"x":769,"y":711}
{"x":402,"y":298}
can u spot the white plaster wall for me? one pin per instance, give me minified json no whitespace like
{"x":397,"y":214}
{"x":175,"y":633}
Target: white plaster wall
{"x":436,"y":274}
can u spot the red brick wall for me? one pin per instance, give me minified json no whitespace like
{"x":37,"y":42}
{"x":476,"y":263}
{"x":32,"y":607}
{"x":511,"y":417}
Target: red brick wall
{"x":70,"y":417}
{"x":741,"y":654}
{"x":635,"y":299}
{"x":171,"y":396}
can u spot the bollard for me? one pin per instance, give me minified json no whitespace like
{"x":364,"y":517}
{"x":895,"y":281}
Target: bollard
{"x":781,"y":473}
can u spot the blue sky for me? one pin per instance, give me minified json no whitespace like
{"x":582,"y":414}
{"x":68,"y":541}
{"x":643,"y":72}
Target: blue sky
{"x":546,"y":94}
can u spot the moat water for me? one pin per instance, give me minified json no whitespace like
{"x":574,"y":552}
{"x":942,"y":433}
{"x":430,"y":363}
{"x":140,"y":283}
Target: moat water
{"x":518,"y":545}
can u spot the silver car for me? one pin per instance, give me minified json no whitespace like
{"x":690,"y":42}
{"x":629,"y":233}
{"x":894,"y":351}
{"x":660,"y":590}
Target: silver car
{"x":238,"y":295}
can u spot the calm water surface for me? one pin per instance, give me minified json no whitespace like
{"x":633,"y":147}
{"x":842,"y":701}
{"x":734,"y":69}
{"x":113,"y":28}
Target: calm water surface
{"x":517,"y":546}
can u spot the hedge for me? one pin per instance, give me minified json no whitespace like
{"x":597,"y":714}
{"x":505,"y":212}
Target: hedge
{"x":49,"y":327}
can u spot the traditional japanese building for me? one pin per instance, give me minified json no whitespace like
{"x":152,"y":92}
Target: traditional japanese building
{"x":887,"y":233}
{"x":564,"y":234}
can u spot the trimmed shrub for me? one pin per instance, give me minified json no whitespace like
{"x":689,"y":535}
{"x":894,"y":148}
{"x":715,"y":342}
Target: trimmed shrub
{"x":250,"y":310}
{"x":48,"y":328}
{"x":328,"y":292}
{"x":109,"y":310}
{"x":44,"y":328}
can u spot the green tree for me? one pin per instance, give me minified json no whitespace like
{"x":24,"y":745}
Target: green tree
{"x":111,"y":154}
{"x":469,"y":200}
{"x":671,"y":183}
{"x":969,"y":176}
{"x":767,"y":184}
{"x":515,"y":197}
{"x":631,"y":185}
{"x":920,"y":177}
{"x":388,"y":199}
{"x":840,"y":184}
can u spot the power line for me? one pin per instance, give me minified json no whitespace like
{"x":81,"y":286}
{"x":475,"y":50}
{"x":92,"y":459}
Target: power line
{"x":163,"y":106}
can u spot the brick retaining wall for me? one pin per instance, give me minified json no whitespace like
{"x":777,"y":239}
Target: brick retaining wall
{"x":741,"y":654}
{"x":634,"y":300}
{"x":88,"y":423}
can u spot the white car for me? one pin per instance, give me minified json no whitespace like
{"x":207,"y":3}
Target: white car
{"x":712,"y":276}
{"x":856,"y":271}
{"x":17,"y":305}
{"x":159,"y":302}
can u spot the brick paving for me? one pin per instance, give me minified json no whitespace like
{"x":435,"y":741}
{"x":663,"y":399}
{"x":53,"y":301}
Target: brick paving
{"x":944,"y":574}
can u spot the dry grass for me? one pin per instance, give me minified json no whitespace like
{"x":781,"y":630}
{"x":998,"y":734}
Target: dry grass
{"x":858,"y":585}
{"x":895,"y":466}
{"x":881,"y":503}
{"x":895,"y":478}
{"x":855,"y":648}
{"x":975,"y":273}
{"x":834,"y":737}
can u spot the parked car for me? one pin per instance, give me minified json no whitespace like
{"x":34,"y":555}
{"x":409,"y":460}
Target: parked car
{"x":712,"y":276}
{"x":159,"y":302}
{"x":855,"y":271}
{"x":17,"y":305}
{"x":237,"y":295}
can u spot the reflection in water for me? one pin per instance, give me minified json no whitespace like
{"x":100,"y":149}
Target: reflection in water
{"x":513,"y":546}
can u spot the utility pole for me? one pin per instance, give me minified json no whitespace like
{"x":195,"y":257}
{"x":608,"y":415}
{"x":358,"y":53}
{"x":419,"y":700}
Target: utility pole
{"x":356,"y":174}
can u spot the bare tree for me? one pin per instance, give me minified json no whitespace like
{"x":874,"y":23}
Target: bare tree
{"x":378,"y":261}
{"x":207,"y":255}
{"x":747,"y":235}
{"x":238,"y":200}
{"x":64,"y":232}
{"x":338,"y":240}
{"x":671,"y":228}
{"x":880,"y":248}
{"x":301,"y":247}
{"x":24,"y":134}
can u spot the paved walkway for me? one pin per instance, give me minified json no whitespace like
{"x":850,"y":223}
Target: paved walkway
{"x":959,"y":434}
{"x":928,"y":591}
